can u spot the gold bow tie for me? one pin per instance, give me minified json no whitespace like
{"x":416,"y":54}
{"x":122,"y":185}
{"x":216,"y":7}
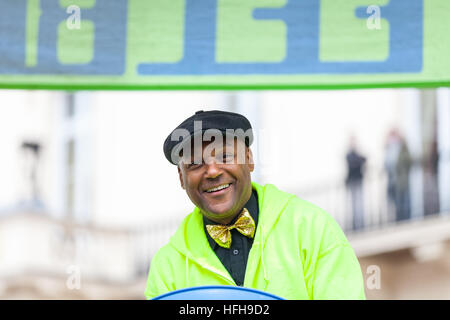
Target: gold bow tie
{"x":222,"y":235}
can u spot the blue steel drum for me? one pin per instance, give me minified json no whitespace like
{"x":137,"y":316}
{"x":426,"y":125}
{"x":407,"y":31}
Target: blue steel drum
{"x":217,"y":293}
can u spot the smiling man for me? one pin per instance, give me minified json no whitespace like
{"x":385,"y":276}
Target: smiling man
{"x":243,"y":233}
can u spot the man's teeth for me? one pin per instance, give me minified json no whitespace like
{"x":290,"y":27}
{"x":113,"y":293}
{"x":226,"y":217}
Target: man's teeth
{"x":218,"y":188}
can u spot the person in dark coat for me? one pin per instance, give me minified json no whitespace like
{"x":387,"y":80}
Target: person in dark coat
{"x":398,"y":164}
{"x":354,"y":183}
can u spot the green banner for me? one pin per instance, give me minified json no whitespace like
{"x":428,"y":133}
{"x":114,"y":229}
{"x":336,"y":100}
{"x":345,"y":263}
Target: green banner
{"x":224,"y":44}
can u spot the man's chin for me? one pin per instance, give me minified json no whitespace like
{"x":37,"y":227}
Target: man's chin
{"x":219,"y":214}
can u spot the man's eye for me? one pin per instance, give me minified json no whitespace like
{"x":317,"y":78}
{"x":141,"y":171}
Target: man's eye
{"x":193,"y":165}
{"x":227,"y":157}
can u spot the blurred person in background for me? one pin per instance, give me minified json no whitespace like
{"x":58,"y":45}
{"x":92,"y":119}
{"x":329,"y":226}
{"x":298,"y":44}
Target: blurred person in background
{"x":31,"y":151}
{"x":354,"y":183}
{"x":398,"y":164}
{"x":431,"y":172}
{"x":241,"y":233}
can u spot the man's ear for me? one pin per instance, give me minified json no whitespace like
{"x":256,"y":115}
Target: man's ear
{"x":180,"y":175}
{"x":250,"y":163}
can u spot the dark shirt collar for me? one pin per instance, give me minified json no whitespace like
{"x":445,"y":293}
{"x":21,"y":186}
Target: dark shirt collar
{"x":252,"y":207}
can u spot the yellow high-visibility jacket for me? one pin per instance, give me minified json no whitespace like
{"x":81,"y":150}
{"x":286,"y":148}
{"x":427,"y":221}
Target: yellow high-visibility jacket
{"x":299,"y":252}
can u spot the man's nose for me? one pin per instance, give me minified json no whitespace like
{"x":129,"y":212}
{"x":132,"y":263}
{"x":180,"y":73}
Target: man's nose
{"x":212,"y":170}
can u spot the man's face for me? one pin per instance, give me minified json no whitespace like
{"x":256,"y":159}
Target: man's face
{"x":221,"y":184}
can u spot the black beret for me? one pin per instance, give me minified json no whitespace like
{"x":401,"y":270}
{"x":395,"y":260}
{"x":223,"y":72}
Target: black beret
{"x":215,"y":119}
